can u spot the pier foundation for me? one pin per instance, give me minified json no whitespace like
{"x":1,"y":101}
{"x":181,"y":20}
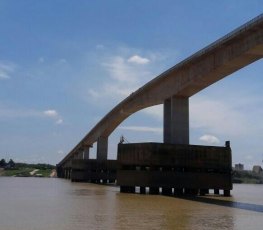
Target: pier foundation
{"x":174,"y":168}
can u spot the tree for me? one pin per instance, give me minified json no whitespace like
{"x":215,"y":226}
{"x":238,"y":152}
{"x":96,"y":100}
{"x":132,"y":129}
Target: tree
{"x":11,"y":163}
{"x":2,"y":163}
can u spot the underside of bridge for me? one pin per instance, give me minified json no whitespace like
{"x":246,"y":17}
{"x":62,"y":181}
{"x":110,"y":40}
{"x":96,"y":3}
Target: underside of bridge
{"x":172,"y":88}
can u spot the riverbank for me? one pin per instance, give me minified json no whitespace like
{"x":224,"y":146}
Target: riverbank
{"x":247,"y":177}
{"x":29,"y":170}
{"x":1,"y":171}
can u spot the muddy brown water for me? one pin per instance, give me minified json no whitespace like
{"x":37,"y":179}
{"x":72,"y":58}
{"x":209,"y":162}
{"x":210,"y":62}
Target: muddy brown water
{"x":58,"y":204}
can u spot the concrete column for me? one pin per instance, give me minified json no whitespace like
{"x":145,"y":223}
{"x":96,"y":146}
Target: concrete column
{"x":102,"y":148}
{"x":203,"y":192}
{"x":167,"y":121}
{"x":176,"y":120}
{"x":227,"y":193}
{"x":80,"y":154}
{"x":86,"y":153}
{"x":216,"y":191}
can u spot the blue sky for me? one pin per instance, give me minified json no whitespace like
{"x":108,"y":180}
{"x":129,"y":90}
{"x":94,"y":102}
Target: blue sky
{"x":65,"y":64}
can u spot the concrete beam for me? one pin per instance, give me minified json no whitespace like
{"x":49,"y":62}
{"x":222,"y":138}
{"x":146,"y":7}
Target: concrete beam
{"x":232,"y":52}
{"x":176,"y":120}
{"x":102,"y":148}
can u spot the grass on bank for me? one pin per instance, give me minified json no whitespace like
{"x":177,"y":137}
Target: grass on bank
{"x":25,"y":172}
{"x":24,"y":169}
{"x":18,"y":172}
{"x":247,"y":177}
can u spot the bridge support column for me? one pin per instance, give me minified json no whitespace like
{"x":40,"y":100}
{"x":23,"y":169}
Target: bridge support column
{"x":79,"y":155}
{"x":86,"y":153}
{"x":102,"y":148}
{"x":176,"y":120}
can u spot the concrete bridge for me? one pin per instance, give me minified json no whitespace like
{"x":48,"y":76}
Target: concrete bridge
{"x":173,"y":88}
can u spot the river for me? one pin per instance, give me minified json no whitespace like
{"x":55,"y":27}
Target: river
{"x":58,"y":204}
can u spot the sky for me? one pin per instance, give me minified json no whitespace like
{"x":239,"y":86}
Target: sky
{"x":64,"y":64}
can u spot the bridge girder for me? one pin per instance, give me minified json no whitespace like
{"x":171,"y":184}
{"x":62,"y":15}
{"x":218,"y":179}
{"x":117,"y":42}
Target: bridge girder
{"x":232,"y":52}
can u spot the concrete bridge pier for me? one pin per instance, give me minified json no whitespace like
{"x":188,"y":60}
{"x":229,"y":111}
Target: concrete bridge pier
{"x":102,"y":148}
{"x":204,"y":192}
{"x":102,"y":153}
{"x":79,"y":154}
{"x":176,"y":120}
{"x":98,"y":170}
{"x":82,"y":153}
{"x":67,"y":173}
{"x":86,"y":153}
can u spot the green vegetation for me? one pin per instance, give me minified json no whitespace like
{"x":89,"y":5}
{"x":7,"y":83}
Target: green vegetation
{"x":22,"y":172}
{"x":36,"y":166}
{"x":247,"y":177}
{"x":25,"y":170}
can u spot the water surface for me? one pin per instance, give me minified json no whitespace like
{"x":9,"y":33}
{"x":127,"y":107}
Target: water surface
{"x":57,"y":204}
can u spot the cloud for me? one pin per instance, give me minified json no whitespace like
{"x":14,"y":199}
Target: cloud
{"x":14,"y":113}
{"x":54,"y":115}
{"x":119,"y":70}
{"x":60,"y":152}
{"x":50,"y":113}
{"x":210,"y":139}
{"x":138,"y":60}
{"x":121,"y":73}
{"x":217,"y":116}
{"x":93,"y":93}
{"x":59,"y":121}
{"x":142,"y":129}
{"x":123,"y":79}
{"x":154,"y":111}
{"x":6,"y":69}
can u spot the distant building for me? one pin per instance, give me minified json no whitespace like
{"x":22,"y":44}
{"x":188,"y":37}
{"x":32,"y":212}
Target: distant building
{"x":257,"y":169}
{"x":239,"y":167}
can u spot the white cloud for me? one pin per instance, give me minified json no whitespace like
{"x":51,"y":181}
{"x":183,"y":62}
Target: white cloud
{"x":121,"y":73}
{"x":59,"y":121}
{"x":53,"y":114}
{"x":154,"y":111}
{"x":50,"y":113}
{"x":4,"y":75}
{"x":210,"y":139}
{"x":216,"y":116}
{"x":13,"y":113}
{"x":6,"y":69}
{"x":141,"y":129}
{"x":93,"y":93}
{"x":124,"y":78}
{"x":119,"y":70}
{"x":60,"y":152}
{"x":138,"y":60}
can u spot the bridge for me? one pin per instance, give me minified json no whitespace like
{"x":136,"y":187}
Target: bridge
{"x":174,"y":87}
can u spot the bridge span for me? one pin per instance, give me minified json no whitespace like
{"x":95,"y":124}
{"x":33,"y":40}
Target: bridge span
{"x":173,"y":88}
